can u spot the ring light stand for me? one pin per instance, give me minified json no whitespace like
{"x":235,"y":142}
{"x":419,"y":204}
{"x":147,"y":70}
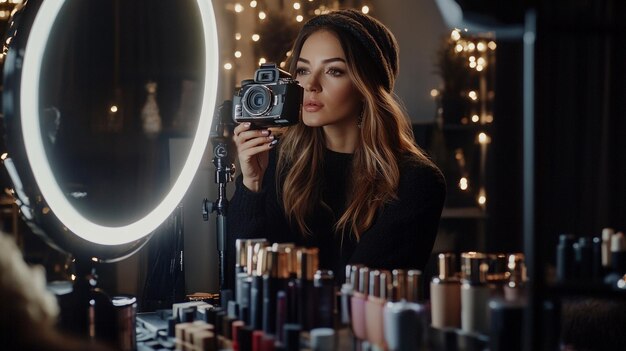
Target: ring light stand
{"x":43,"y":203}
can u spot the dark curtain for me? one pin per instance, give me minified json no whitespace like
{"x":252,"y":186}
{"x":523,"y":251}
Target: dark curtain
{"x":580,"y":119}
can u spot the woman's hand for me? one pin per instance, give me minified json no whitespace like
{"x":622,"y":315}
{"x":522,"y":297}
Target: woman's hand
{"x":253,"y":147}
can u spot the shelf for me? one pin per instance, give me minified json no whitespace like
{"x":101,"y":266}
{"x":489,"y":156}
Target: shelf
{"x":463,"y":212}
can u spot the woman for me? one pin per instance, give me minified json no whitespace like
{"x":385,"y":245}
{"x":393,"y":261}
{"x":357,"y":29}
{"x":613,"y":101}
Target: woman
{"x":349,"y":179}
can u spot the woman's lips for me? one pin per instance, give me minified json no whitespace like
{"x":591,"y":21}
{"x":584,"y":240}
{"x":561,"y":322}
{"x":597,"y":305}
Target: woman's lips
{"x":312,"y":106}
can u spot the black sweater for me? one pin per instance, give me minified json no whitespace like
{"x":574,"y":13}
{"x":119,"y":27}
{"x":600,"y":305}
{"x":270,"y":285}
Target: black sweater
{"x":401,"y":236}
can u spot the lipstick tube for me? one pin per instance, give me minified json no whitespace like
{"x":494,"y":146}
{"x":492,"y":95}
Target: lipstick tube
{"x":475,"y":293}
{"x":379,"y":292}
{"x":359,"y":297}
{"x":445,"y":294}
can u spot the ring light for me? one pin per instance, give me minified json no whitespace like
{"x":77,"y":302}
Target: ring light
{"x":41,"y":169}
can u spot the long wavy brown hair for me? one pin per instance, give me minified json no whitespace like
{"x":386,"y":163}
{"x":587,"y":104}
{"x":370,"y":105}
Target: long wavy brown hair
{"x":386,"y":136}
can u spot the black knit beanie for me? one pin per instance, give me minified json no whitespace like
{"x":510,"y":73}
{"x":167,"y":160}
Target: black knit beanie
{"x":375,"y":38}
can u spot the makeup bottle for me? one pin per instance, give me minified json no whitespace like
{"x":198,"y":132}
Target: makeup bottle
{"x":498,"y":273}
{"x":323,"y":339}
{"x":324,"y":285}
{"x":379,"y":292}
{"x":345,"y":294}
{"x":515,"y":289}
{"x":597,"y":271}
{"x":398,"y":285}
{"x":406,"y":320}
{"x":475,"y":293}
{"x":270,"y":288}
{"x":307,"y":263}
{"x":618,"y":259}
{"x":582,"y":254}
{"x":359,"y":297}
{"x":445,"y":294}
{"x":607,"y":233}
{"x":565,"y":258}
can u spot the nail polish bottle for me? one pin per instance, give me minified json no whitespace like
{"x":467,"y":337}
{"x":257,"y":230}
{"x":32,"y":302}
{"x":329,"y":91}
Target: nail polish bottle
{"x":618,"y":259}
{"x":475,"y":293}
{"x":445,"y":294}
{"x":379,"y":292}
{"x":323,"y":339}
{"x":359,"y":297}
{"x":414,"y":285}
{"x":398,"y":285}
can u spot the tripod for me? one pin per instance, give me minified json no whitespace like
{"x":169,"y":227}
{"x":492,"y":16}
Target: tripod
{"x":220,"y":136}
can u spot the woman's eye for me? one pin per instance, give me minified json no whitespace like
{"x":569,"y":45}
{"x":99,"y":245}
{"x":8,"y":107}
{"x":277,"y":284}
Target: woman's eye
{"x":335,"y":72}
{"x":300,"y":71}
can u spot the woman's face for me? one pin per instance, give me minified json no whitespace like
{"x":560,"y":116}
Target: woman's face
{"x":330,"y":97}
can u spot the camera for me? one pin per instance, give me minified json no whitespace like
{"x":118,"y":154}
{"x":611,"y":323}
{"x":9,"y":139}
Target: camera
{"x":272,"y":99}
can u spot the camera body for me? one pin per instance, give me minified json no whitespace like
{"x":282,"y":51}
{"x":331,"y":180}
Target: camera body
{"x":272,"y":99}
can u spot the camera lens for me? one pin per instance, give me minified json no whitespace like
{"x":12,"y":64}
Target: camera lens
{"x":257,"y":100}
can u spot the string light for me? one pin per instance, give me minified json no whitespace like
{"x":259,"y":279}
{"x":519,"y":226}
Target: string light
{"x":296,"y":6}
{"x":237,"y":36}
{"x":455,"y":35}
{"x":262,"y":60}
{"x":283,"y":64}
{"x":472,"y":95}
{"x":463,"y":184}
{"x":237,"y":54}
{"x":238,"y":8}
{"x":492,"y":45}
{"x":481,"y":47}
{"x":475,"y":118}
{"x":228,"y":66}
{"x":365,"y":9}
{"x":483,"y":138}
{"x":434,"y":93}
{"x":262,"y":15}
{"x":299,"y":18}
{"x":113,"y":109}
{"x":471,"y":46}
{"x":482,"y":197}
{"x":255,"y":37}
{"x":458,"y":48}
{"x":253,"y":3}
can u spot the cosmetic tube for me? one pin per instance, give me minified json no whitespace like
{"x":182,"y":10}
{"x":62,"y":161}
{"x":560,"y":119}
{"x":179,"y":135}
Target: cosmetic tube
{"x":515,"y":289}
{"x":414,"y":285}
{"x":597,"y":271}
{"x":445,"y":294}
{"x":379,"y":292}
{"x":324,"y":285}
{"x":475,"y":293}
{"x":359,"y":297}
{"x":307,"y":263}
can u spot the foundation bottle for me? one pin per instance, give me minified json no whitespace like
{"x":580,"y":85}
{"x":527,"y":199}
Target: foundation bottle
{"x":445,"y":294}
{"x":475,"y":293}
